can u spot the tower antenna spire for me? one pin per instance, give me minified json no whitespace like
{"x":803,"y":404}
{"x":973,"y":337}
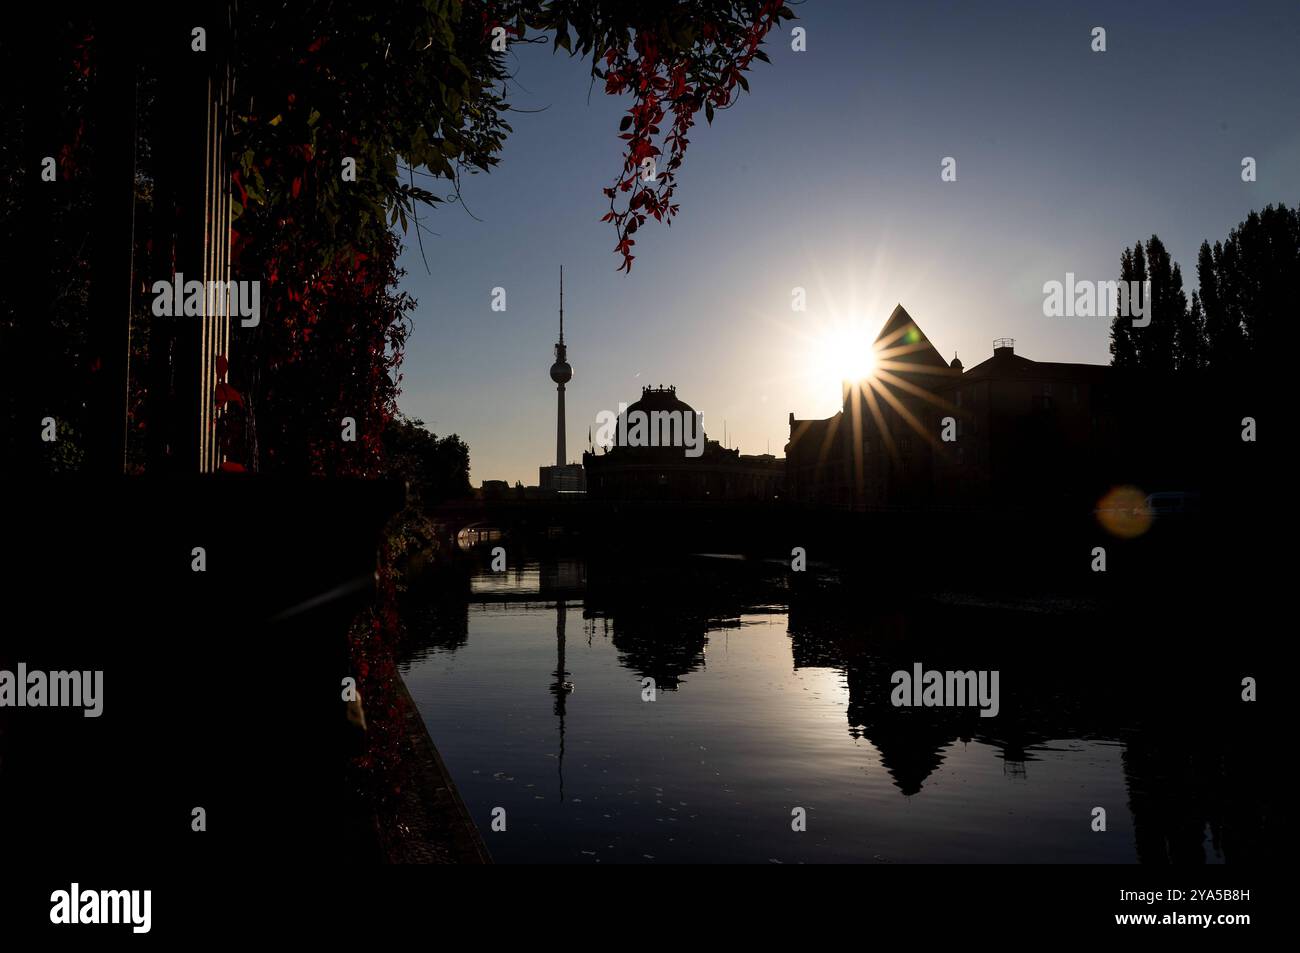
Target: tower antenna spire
{"x":561,"y":374}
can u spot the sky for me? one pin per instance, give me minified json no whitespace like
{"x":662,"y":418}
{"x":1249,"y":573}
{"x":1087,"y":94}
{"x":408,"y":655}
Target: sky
{"x":827,"y":177}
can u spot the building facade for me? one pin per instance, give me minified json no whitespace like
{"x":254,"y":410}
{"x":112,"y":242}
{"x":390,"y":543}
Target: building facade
{"x":570,"y":478}
{"x":631,"y":470}
{"x":922,"y":431}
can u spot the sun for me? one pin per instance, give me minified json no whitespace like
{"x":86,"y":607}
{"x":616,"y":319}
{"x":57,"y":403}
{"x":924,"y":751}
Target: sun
{"x":844,"y":354}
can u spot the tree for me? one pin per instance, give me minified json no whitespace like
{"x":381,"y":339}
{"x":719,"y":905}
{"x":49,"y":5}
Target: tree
{"x":1168,"y":304}
{"x":1123,"y":346}
{"x":1242,"y":313}
{"x":1190,"y":345}
{"x":1255,"y":278}
{"x":411,"y":95}
{"x":1223,"y":338}
{"x":407,"y":88}
{"x":435,"y":469}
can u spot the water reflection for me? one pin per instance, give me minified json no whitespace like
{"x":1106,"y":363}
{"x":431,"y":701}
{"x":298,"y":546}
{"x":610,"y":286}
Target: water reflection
{"x":772,"y":697}
{"x":476,"y":535}
{"x":561,"y":687}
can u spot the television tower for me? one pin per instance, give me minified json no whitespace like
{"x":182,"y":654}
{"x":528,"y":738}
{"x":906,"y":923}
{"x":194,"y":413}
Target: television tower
{"x":561,"y":373}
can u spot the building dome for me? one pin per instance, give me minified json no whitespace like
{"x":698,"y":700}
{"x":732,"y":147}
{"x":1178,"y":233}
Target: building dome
{"x":654,"y":401}
{"x":660,"y":398}
{"x":956,"y":363}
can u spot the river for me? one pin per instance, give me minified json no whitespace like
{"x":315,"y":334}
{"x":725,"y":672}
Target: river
{"x":711,"y":713}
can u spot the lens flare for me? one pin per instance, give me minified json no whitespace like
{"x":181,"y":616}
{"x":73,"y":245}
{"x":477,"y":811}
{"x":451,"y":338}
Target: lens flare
{"x":1123,"y":512}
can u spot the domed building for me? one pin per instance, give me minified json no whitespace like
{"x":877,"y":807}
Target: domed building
{"x":659,"y":451}
{"x":662,"y":401}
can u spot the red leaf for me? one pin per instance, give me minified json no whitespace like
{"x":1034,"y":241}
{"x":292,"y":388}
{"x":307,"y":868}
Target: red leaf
{"x":225,"y":394}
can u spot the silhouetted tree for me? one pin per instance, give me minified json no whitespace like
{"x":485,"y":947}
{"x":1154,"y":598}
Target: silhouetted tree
{"x":1123,"y":347}
{"x":1253,"y":276}
{"x":1242,"y":312}
{"x":1223,"y":338}
{"x":434,"y":468}
{"x":1155,"y":342}
{"x":1189,"y":341}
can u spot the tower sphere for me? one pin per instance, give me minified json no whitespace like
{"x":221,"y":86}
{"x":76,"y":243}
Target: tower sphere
{"x":561,"y":372}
